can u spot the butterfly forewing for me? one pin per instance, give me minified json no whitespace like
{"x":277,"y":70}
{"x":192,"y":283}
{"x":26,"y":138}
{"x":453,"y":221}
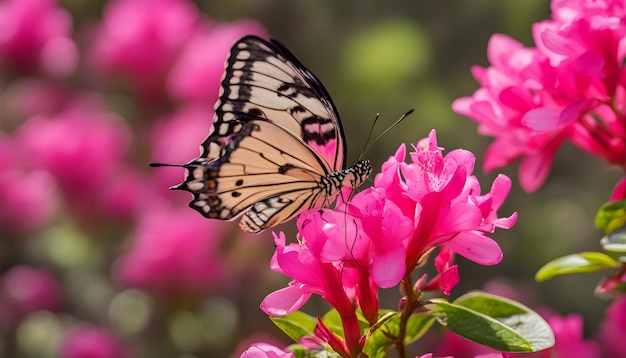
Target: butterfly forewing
{"x":263,"y":79}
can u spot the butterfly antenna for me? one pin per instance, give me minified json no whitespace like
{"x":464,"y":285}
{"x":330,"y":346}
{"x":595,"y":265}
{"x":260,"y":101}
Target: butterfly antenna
{"x":166,"y":165}
{"x":369,"y":136}
{"x":369,"y":146}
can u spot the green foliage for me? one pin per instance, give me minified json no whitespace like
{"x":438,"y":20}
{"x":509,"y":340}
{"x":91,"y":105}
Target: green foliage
{"x":487,"y":319}
{"x":296,"y":325}
{"x":383,"y":334}
{"x":611,"y":216}
{"x":389,"y":53}
{"x":575,"y":263}
{"x":495,"y":322}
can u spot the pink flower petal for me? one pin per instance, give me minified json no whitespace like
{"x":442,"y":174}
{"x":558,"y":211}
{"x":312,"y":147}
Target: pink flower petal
{"x":388,"y":268}
{"x":285,"y":300}
{"x":541,"y":120}
{"x":619,"y":191}
{"x":476,"y":247}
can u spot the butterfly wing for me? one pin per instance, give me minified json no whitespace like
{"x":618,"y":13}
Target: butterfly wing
{"x":263,"y":170}
{"x":263,"y":79}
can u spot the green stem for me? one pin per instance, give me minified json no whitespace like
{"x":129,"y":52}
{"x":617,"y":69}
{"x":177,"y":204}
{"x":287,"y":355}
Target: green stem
{"x":411,"y":304}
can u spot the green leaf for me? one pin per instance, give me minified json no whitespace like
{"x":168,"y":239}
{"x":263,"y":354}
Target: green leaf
{"x":298,"y":351}
{"x":380,"y":336}
{"x":615,"y":241}
{"x":296,"y":325}
{"x":332,"y":321}
{"x":417,"y":326}
{"x":575,"y":263}
{"x":494,"y":321}
{"x":611,"y":216}
{"x":383,"y":334}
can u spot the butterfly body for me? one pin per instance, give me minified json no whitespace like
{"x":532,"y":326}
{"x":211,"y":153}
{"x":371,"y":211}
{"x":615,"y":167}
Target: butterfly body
{"x":276,"y":147}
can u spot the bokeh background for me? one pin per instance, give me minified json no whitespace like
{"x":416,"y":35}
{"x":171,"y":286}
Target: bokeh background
{"x":96,"y":255}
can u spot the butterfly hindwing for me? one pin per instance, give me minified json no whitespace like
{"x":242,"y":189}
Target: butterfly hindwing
{"x":263,"y":79}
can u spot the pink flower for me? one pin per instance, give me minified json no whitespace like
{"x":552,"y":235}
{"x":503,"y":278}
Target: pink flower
{"x":444,"y":202}
{"x":197,"y":72}
{"x":381,"y":235}
{"x":126,"y":194}
{"x":619,"y":192}
{"x":570,"y":87}
{"x":33,"y":96}
{"x":174,"y":139}
{"x":30,"y":207}
{"x":173,"y":253}
{"x":92,"y":342}
{"x":384,"y":228}
{"x":453,"y":345}
{"x":413,"y":207}
{"x":35,"y":33}
{"x":569,"y":342}
{"x":613,"y":285}
{"x":312,"y":275}
{"x":141,"y":39}
{"x":264,"y":350}
{"x":613,"y":329}
{"x":499,"y":108}
{"x":80,"y":147}
{"x":448,"y":276}
{"x":31,"y":289}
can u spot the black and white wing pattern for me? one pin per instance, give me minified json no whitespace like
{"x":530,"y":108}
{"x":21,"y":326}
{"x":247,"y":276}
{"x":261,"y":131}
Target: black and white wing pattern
{"x":276,"y":147}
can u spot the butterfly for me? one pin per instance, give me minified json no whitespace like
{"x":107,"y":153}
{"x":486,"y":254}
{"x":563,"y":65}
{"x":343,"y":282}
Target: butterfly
{"x":276,"y":147}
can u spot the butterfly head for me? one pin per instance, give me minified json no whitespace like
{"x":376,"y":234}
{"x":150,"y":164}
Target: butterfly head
{"x":362,"y":170}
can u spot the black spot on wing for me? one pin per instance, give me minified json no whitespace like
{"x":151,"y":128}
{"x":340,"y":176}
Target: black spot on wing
{"x":313,"y":130}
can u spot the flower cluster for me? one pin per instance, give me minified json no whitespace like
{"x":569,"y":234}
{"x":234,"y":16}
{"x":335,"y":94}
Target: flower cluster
{"x":383,"y":233}
{"x":85,"y":107}
{"x":570,"y":87}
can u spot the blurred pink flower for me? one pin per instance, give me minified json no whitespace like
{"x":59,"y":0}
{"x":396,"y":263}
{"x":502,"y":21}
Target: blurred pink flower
{"x":127,"y":193}
{"x":569,"y":341}
{"x":176,"y":138}
{"x":174,"y":252}
{"x":264,"y":350}
{"x":453,"y":345}
{"x":614,"y":285}
{"x":619,"y":191}
{"x":141,"y":39}
{"x":92,"y":342}
{"x":35,"y":33}
{"x":570,"y":87}
{"x":28,"y":199}
{"x":613,"y":329}
{"x":196,"y":74}
{"x":32,"y":96}
{"x":31,"y":289}
{"x":30,"y":205}
{"x":80,"y":147}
